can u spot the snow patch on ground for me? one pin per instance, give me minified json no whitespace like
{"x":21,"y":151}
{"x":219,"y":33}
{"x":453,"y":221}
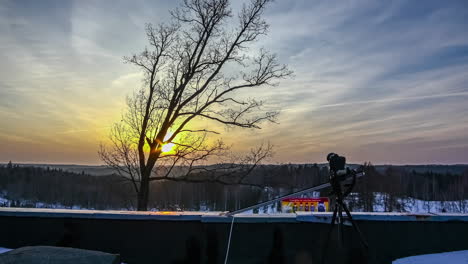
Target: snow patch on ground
{"x":455,"y":257}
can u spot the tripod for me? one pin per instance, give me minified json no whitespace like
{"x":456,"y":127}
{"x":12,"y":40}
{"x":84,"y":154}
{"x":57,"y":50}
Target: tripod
{"x":336,"y":178}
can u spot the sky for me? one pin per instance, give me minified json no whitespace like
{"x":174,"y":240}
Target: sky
{"x":378,"y":81}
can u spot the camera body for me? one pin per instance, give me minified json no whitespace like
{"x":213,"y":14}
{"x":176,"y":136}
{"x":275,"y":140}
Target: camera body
{"x":336,"y":162}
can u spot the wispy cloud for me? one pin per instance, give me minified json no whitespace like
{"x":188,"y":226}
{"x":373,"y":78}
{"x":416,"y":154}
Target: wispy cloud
{"x":390,"y":100}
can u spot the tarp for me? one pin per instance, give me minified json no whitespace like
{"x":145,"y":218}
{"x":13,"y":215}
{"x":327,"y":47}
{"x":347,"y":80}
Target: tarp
{"x":56,"y":255}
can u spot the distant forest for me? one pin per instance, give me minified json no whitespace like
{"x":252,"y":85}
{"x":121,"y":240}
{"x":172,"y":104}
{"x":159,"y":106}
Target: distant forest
{"x":389,"y":189}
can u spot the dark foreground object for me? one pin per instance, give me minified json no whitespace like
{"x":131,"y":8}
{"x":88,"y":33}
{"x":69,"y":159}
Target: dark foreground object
{"x":177,"y":237}
{"x":57,"y":255}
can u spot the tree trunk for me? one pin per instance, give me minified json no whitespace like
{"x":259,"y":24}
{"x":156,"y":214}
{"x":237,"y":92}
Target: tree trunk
{"x":143,"y":194}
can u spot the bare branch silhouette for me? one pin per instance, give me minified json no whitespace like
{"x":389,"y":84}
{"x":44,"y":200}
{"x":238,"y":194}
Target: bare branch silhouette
{"x":186,"y":83}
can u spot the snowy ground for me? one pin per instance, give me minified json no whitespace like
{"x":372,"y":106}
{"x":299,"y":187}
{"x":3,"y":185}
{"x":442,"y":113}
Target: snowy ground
{"x":456,"y":257}
{"x":411,"y":205}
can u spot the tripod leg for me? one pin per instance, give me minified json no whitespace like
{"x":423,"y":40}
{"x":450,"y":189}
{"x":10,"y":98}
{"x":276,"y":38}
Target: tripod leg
{"x":340,"y":227}
{"x":356,"y":228}
{"x":329,"y":234}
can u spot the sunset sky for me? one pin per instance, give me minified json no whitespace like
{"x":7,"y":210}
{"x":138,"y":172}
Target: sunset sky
{"x":379,"y":81}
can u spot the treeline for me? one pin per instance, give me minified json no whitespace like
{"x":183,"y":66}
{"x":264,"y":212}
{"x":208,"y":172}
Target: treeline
{"x":397,"y":189}
{"x":271,"y":181}
{"x":46,"y":187}
{"x":379,"y":190}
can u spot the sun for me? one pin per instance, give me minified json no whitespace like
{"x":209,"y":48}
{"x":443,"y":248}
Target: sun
{"x":168,"y":147}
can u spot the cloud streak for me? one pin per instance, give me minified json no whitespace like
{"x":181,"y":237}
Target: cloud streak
{"x":390,"y":100}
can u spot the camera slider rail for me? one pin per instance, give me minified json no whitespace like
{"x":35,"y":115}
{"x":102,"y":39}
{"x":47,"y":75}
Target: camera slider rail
{"x":345,"y":178}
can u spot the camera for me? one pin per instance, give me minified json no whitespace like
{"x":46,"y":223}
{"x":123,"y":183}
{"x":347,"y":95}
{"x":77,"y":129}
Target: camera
{"x":336,"y":162}
{"x":341,"y":187}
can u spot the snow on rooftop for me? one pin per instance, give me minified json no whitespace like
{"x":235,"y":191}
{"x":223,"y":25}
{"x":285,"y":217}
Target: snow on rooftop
{"x":455,"y":257}
{"x":4,"y":250}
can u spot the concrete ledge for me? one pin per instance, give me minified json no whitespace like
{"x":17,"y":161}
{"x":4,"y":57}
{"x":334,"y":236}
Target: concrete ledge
{"x":57,"y":255}
{"x":395,"y":217}
{"x":218,"y":217}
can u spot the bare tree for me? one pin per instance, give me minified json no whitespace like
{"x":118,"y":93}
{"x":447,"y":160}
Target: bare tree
{"x":193,"y":72}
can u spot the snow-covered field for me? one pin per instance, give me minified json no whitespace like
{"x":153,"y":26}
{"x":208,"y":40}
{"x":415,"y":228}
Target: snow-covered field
{"x":456,"y":257}
{"x":410,"y":205}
